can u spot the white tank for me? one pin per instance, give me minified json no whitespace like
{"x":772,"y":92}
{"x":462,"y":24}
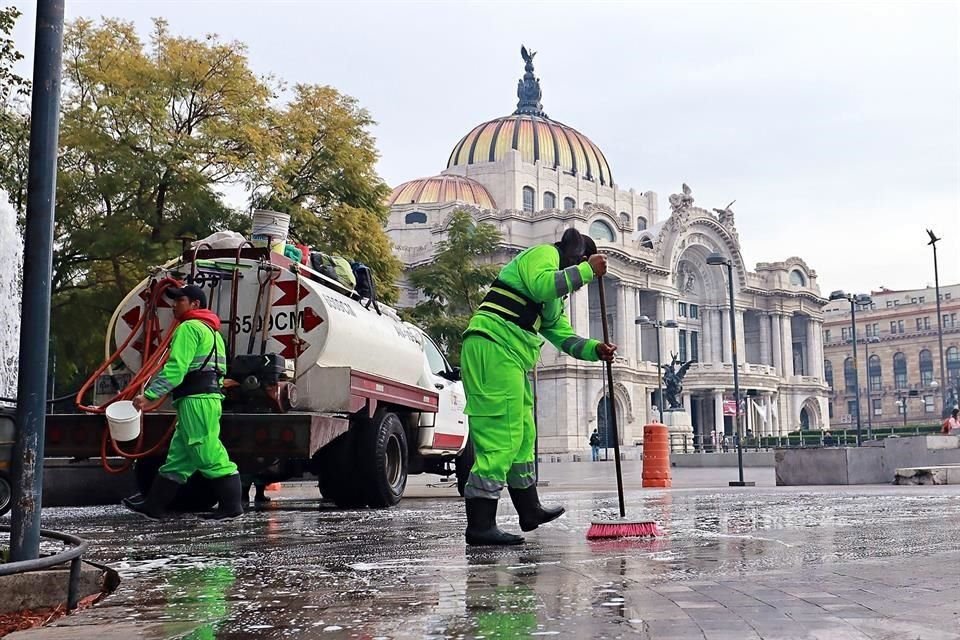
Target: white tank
{"x":308,"y":322}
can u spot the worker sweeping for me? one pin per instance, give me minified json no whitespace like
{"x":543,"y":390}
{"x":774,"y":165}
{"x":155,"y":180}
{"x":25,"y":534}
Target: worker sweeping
{"x":501,"y":345}
{"x":192,"y":376}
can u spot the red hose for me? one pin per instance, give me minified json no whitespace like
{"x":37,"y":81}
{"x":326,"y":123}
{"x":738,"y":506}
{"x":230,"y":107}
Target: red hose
{"x":150,"y":365}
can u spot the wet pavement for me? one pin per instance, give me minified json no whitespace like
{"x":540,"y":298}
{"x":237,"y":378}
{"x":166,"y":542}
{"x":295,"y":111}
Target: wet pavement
{"x":831,"y":563}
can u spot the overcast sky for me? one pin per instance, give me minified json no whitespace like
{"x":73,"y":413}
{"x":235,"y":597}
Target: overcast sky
{"x":835,"y":126}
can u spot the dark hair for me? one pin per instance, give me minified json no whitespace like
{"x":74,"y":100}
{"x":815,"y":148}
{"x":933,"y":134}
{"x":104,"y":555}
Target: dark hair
{"x":955,"y":412}
{"x":589,"y":246}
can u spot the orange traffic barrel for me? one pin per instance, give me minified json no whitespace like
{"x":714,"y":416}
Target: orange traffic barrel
{"x":656,"y":456}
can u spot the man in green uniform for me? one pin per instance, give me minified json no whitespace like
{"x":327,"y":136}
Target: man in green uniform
{"x":192,"y":376}
{"x":501,"y":345}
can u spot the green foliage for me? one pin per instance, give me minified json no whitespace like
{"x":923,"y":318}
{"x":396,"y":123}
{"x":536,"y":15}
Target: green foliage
{"x":455,"y":282}
{"x":152,"y":133}
{"x":322,"y":173}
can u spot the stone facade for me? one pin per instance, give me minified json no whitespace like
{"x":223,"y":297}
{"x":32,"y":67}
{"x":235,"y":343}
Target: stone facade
{"x":897,"y":342}
{"x":657,"y":268}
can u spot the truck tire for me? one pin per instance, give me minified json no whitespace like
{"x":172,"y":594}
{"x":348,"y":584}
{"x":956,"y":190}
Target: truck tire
{"x":6,"y":493}
{"x":383,"y":458}
{"x":337,"y":475}
{"x":463,"y":465}
{"x":197,"y":495}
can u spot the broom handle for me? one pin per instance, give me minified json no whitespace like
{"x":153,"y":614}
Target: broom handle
{"x":611,"y":405}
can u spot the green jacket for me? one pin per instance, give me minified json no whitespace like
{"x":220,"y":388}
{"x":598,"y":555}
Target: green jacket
{"x":192,"y":343}
{"x":536,"y":273}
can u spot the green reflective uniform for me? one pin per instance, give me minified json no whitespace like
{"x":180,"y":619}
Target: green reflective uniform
{"x":496,"y":358}
{"x":195,"y":445}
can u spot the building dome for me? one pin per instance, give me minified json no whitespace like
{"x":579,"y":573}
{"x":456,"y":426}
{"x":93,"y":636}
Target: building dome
{"x":534,"y":135}
{"x":536,"y":138}
{"x":440,"y":189}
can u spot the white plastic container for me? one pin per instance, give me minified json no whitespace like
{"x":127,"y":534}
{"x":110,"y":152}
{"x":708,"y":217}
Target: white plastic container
{"x":124,"y":421}
{"x":270,"y":227}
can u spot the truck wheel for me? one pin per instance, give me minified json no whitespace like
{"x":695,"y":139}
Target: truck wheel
{"x":337,"y":476}
{"x":463,"y":465}
{"x":6,"y":493}
{"x":383,"y":458}
{"x":196,"y":495}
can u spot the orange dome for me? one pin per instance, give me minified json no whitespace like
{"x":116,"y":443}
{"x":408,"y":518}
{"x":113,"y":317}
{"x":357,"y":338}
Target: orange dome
{"x":442,"y":189}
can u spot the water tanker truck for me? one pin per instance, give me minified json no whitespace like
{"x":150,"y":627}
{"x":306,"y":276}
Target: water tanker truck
{"x":322,"y":378}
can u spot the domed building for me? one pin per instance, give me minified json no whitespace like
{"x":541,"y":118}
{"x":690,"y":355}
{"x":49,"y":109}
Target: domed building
{"x":531,"y":177}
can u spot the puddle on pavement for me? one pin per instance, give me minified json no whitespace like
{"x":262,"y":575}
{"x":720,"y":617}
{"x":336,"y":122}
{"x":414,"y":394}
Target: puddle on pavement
{"x":404,"y":573}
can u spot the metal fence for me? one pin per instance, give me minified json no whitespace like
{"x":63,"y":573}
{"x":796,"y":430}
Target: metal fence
{"x":71,"y":555}
{"x":695,"y":443}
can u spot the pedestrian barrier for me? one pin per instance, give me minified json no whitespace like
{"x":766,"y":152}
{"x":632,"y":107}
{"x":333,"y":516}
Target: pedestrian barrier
{"x":72,"y":555}
{"x":656,"y":456}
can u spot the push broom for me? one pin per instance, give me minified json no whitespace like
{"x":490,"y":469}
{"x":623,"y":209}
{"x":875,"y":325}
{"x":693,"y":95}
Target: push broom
{"x":621,"y":528}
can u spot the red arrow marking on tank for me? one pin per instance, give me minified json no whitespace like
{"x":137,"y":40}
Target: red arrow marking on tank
{"x":292,"y":346}
{"x":311,"y":320}
{"x":131,"y":317}
{"x":289,"y":288}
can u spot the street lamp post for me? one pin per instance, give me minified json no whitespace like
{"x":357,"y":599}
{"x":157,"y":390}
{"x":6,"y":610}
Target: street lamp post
{"x":936,"y":284}
{"x":866,"y":354}
{"x":657,"y":325}
{"x":715,"y":259}
{"x":902,"y":404}
{"x":854,"y":300}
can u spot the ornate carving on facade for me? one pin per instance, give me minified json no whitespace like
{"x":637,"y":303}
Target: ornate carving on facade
{"x":725,"y":215}
{"x":681,"y":201}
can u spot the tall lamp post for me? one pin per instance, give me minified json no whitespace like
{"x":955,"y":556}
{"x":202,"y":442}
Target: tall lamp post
{"x":866,"y":355}
{"x":657,"y":325}
{"x":936,"y":283}
{"x":861,"y":299}
{"x":715,"y":260}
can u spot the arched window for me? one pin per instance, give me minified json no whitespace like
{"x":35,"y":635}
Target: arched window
{"x":899,"y":371}
{"x":600,"y":230}
{"x":828,"y":372}
{"x":953,"y":365}
{"x":875,"y":373}
{"x":528,"y":199}
{"x":797,"y":279}
{"x":569,"y":203}
{"x":625,"y":219}
{"x":549,"y":200}
{"x":641,"y":223}
{"x":926,"y":367}
{"x":587,"y":204}
{"x":416,"y":217}
{"x":646,"y":242}
{"x":849,"y":376}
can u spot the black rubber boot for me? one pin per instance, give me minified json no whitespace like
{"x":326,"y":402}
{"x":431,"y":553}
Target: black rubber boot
{"x":261,"y":497}
{"x":229,"y":498}
{"x":154,"y":506}
{"x":482,"y":524}
{"x":532,"y":513}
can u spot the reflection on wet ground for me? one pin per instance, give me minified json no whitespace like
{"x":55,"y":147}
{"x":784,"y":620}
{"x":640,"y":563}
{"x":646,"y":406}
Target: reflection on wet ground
{"x":298,"y":569}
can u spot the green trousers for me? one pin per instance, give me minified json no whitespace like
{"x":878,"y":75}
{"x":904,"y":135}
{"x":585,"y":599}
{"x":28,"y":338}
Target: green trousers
{"x":196,"y":445}
{"x":500,"y":414}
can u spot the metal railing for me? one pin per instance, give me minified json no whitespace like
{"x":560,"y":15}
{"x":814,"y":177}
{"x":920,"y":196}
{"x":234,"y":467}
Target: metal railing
{"x":694,"y":443}
{"x":71,"y":555}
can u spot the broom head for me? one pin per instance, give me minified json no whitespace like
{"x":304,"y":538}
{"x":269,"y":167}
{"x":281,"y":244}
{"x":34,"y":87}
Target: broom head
{"x":607,"y":529}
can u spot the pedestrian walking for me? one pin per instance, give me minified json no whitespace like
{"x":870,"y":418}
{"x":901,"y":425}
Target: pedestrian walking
{"x":501,"y":345}
{"x":193,"y":376}
{"x":951,"y":426}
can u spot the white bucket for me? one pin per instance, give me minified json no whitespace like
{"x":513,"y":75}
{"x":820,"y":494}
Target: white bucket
{"x":124,"y":421}
{"x":270,"y":226}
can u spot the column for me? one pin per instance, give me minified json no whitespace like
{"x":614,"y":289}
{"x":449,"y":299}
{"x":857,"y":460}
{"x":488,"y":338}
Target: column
{"x":637,"y":353}
{"x":811,"y":360}
{"x":718,"y":412}
{"x":670,"y":337}
{"x":741,"y":339}
{"x":764,"y":338}
{"x":580,"y":312}
{"x":620,"y":330}
{"x":716,"y":326}
{"x":768,"y":412}
{"x":706,"y":342}
{"x":786,"y":337}
{"x":725,"y":333}
{"x":777,"y":343}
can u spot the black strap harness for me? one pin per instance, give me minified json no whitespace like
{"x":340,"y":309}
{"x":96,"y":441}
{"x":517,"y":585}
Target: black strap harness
{"x":506,"y":302}
{"x":200,"y":380}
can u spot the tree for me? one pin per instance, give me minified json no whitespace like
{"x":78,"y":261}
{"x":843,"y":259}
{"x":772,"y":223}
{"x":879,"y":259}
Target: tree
{"x":455,"y":282}
{"x":14,"y":115}
{"x":322,"y":173}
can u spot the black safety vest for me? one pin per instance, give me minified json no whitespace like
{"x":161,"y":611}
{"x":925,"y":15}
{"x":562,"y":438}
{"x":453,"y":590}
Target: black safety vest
{"x":512,"y":305}
{"x":200,"y":380}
